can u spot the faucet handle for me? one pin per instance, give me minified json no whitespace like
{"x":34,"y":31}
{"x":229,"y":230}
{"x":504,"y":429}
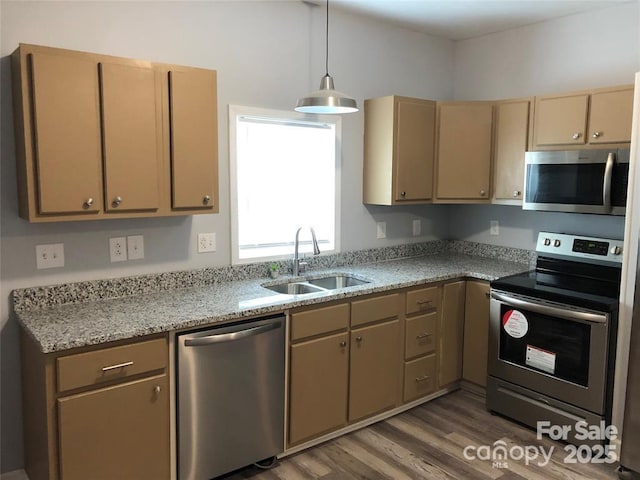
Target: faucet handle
{"x":302,"y":265}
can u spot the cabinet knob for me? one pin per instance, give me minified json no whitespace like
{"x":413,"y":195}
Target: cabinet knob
{"x":403,"y":194}
{"x":359,"y":338}
{"x":596,"y":134}
{"x":157,"y":389}
{"x":87,"y":203}
{"x":483,"y":193}
{"x":343,"y":343}
{"x":206,"y":199}
{"x":117,"y":201}
{"x":516,"y":193}
{"x":575,"y":136}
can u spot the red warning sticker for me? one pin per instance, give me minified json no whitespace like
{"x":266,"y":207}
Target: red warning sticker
{"x":515,"y":323}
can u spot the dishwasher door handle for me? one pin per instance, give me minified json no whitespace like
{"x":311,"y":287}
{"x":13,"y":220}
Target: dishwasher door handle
{"x":230,"y":337}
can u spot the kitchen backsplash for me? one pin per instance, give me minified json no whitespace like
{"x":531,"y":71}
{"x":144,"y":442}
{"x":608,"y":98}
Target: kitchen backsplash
{"x":89,"y":291}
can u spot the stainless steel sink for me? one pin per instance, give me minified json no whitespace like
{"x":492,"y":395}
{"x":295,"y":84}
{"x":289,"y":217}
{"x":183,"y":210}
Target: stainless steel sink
{"x":333,"y":282}
{"x":294,"y":288}
{"x":315,"y":285}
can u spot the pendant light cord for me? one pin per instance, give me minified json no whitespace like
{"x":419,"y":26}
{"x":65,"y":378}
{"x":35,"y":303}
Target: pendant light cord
{"x":326,"y":50}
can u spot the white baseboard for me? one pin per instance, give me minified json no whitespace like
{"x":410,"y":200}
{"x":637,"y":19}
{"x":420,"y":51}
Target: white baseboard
{"x":15,"y":475}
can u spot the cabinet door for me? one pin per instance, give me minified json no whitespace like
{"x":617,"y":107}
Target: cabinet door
{"x":610,"y":117}
{"x":116,"y":432}
{"x":67,"y":133}
{"x":414,"y":134}
{"x":476,"y":333}
{"x":376,"y":375}
{"x":464,"y":151}
{"x":131,"y":134}
{"x":318,"y":387}
{"x":512,"y":129}
{"x":451,"y":333}
{"x":560,"y":120}
{"x":194,"y":139}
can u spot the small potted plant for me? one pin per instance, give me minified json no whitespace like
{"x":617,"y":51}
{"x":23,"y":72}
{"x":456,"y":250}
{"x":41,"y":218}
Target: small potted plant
{"x":274,"y":270}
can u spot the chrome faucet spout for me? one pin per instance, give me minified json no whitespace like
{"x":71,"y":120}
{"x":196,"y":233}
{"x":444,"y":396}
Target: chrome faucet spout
{"x":297,"y":264}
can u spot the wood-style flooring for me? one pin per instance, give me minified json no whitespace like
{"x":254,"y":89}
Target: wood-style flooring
{"x":428,"y":442}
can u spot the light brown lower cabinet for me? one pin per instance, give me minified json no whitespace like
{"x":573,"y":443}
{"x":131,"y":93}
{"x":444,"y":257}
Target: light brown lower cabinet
{"x":476,"y":333}
{"x":451,"y":333}
{"x":115,"y":432}
{"x":98,"y":413}
{"x":318,"y":386}
{"x":374,"y":368}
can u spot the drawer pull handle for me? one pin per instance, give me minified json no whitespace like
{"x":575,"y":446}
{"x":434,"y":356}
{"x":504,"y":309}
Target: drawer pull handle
{"x":423,"y":335}
{"x":115,"y":367}
{"x":424,"y":302}
{"x":422,"y":379}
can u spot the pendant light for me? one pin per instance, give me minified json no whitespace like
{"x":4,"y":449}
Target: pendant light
{"x":327,"y":99}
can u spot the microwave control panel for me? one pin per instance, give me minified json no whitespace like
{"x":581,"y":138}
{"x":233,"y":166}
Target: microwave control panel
{"x":575,"y":246}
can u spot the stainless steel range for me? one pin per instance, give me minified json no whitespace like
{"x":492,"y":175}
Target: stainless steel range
{"x":552,"y":334}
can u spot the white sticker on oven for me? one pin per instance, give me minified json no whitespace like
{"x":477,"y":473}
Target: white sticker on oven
{"x":541,"y":359}
{"x":515,"y":323}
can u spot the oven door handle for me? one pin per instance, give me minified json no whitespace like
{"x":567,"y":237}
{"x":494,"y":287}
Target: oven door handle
{"x":606,"y":186}
{"x":567,"y":314}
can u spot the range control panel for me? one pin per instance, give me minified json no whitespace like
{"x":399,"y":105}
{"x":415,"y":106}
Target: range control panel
{"x":579,"y":247}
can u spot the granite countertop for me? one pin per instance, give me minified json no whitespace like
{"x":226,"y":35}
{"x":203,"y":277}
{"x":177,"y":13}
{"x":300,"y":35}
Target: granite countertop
{"x":63,"y":327}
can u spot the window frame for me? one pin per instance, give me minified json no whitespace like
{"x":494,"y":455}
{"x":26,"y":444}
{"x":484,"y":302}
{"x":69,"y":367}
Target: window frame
{"x":236,"y":111}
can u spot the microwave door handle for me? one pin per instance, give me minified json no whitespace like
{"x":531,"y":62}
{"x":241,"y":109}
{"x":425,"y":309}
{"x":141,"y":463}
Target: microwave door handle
{"x":606,"y":186}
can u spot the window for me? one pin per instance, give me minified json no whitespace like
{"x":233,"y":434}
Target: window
{"x":284,"y":175}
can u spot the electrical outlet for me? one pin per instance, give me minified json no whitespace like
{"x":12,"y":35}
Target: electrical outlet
{"x":206,"y":242}
{"x":135,"y":247}
{"x":417,"y":227}
{"x":494,"y":227}
{"x":118,"y":249}
{"x":381,"y":230}
{"x":50,"y":256}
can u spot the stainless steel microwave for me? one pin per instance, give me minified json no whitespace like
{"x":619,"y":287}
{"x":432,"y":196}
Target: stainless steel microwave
{"x":577,"y":181}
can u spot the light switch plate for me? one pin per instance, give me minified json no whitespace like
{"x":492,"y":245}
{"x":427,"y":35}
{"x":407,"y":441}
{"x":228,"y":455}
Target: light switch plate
{"x":381,"y":230}
{"x":50,"y":256}
{"x":494,"y":227}
{"x":206,"y":242}
{"x":417,"y":227}
{"x":135,"y":247}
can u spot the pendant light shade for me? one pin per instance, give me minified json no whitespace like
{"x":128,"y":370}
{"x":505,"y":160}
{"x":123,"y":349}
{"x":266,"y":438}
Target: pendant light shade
{"x":326,"y":100}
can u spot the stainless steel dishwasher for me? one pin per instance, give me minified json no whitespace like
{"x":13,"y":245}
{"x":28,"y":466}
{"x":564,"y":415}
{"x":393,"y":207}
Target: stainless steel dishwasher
{"x":230,"y":397}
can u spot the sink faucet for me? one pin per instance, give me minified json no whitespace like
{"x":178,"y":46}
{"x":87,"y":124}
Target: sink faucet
{"x":297,"y":264}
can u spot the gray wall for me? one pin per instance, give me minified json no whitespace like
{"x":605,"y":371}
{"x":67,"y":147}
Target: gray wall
{"x":267,"y":55}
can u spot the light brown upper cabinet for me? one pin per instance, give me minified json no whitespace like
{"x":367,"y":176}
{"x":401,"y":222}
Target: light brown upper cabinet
{"x":583,"y":119}
{"x":131,"y":137}
{"x":93,"y":136}
{"x":398,"y":150}
{"x":463,"y":160}
{"x":510,"y":144}
{"x":194,"y":138}
{"x":62,"y":136}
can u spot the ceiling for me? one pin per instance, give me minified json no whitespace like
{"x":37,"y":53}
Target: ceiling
{"x":462,"y":19}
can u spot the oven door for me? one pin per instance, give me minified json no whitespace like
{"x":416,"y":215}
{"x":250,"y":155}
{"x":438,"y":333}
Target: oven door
{"x":553,"y":349}
{"x":581,"y":181}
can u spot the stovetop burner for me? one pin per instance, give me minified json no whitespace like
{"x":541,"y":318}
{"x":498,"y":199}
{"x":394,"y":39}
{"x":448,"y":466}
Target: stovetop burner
{"x":580,"y":271}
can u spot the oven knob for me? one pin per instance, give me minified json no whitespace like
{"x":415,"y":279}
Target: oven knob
{"x":616,"y":250}
{"x":556,"y":243}
{"x":547,"y":242}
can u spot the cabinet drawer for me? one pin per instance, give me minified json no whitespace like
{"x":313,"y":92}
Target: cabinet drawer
{"x":374,"y":309}
{"x":107,"y":364}
{"x":319,"y":321}
{"x":423,"y":300}
{"x":419,"y":377}
{"x":420,"y":335}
